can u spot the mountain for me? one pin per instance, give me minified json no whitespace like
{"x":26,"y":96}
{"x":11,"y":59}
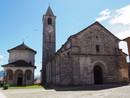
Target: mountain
{"x":1,"y":73}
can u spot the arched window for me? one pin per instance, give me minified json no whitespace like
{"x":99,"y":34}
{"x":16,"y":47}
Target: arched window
{"x":49,"y":21}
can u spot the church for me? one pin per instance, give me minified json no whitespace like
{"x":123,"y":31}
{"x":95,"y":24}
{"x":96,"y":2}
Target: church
{"x":90,"y":57}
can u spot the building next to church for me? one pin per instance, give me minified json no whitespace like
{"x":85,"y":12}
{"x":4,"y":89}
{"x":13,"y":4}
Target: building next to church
{"x":92,"y":56}
{"x":128,"y":45}
{"x":20,"y":69}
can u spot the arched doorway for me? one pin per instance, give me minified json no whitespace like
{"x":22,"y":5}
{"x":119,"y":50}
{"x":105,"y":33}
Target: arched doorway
{"x":19,"y":77}
{"x":98,"y":76}
{"x":19,"y":81}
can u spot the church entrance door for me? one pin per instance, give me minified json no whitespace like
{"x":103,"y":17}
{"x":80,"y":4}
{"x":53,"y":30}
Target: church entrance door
{"x":19,"y":81}
{"x":98,"y":76}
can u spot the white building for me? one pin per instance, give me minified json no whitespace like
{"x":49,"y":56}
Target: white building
{"x":20,"y":69}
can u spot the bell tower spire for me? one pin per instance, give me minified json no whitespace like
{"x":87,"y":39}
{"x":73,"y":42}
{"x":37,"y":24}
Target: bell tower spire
{"x":49,"y":12}
{"x":49,"y":40}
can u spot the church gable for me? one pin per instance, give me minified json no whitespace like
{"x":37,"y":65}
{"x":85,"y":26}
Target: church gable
{"x":95,"y":28}
{"x":96,"y":39}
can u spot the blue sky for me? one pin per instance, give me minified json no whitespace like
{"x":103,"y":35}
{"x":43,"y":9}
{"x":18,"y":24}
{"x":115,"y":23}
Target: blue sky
{"x":22,"y":20}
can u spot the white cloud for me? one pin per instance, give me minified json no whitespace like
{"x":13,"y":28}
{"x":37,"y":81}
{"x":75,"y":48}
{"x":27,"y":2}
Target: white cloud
{"x":121,"y":16}
{"x":118,"y":16}
{"x":123,"y":34}
{"x":105,"y":14}
{"x":1,"y":56}
{"x":118,"y":21}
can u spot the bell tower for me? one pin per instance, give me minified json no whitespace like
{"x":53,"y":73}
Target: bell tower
{"x":49,"y":40}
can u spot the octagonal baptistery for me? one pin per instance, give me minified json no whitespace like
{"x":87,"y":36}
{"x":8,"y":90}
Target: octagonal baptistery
{"x":20,"y":69}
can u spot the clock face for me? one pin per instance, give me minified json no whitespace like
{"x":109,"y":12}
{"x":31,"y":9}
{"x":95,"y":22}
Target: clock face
{"x":49,"y":28}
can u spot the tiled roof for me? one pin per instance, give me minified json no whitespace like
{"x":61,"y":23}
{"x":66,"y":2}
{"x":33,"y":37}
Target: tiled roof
{"x":19,"y":63}
{"x":22,"y":47}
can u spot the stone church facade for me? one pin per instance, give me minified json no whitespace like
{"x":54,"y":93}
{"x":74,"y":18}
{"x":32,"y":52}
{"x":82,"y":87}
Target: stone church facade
{"x":20,"y":69}
{"x":92,"y":56}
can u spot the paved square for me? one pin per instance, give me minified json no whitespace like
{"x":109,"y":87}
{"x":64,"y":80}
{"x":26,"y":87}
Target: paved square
{"x":117,"y":92}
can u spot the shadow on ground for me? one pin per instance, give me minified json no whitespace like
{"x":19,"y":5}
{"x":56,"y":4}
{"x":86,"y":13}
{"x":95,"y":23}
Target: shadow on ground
{"x":85,"y":88}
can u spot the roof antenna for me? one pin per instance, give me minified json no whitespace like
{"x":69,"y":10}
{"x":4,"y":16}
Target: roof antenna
{"x":49,"y":3}
{"x":23,"y":41}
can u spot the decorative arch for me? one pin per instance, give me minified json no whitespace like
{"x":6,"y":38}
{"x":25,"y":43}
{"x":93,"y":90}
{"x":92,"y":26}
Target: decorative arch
{"x":101,"y":63}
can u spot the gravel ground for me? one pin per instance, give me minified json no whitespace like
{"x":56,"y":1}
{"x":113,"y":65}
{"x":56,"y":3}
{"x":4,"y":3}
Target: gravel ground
{"x":1,"y":95}
{"x":116,"y":92}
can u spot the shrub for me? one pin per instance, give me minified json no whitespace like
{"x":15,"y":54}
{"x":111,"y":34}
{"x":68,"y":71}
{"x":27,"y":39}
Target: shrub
{"x":5,"y":86}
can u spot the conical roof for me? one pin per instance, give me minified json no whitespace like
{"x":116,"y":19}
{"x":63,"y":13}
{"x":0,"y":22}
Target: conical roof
{"x":22,"y":47}
{"x":49,"y":12}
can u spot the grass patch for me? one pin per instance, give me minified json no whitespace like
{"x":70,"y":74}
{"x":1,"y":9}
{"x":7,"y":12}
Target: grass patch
{"x":26,"y":87}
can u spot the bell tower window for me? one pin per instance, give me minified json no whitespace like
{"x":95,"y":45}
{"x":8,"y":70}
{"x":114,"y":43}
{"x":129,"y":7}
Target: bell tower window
{"x":49,"y":21}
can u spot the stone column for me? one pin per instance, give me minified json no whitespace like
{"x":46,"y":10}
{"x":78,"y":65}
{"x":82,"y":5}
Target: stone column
{"x":14,"y":78}
{"x":24,"y":77}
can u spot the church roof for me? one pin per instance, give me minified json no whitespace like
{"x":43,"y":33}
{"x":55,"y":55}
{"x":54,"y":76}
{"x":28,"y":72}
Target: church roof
{"x":96,"y":23}
{"x":22,"y":47}
{"x":49,"y":12}
{"x":19,"y":63}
